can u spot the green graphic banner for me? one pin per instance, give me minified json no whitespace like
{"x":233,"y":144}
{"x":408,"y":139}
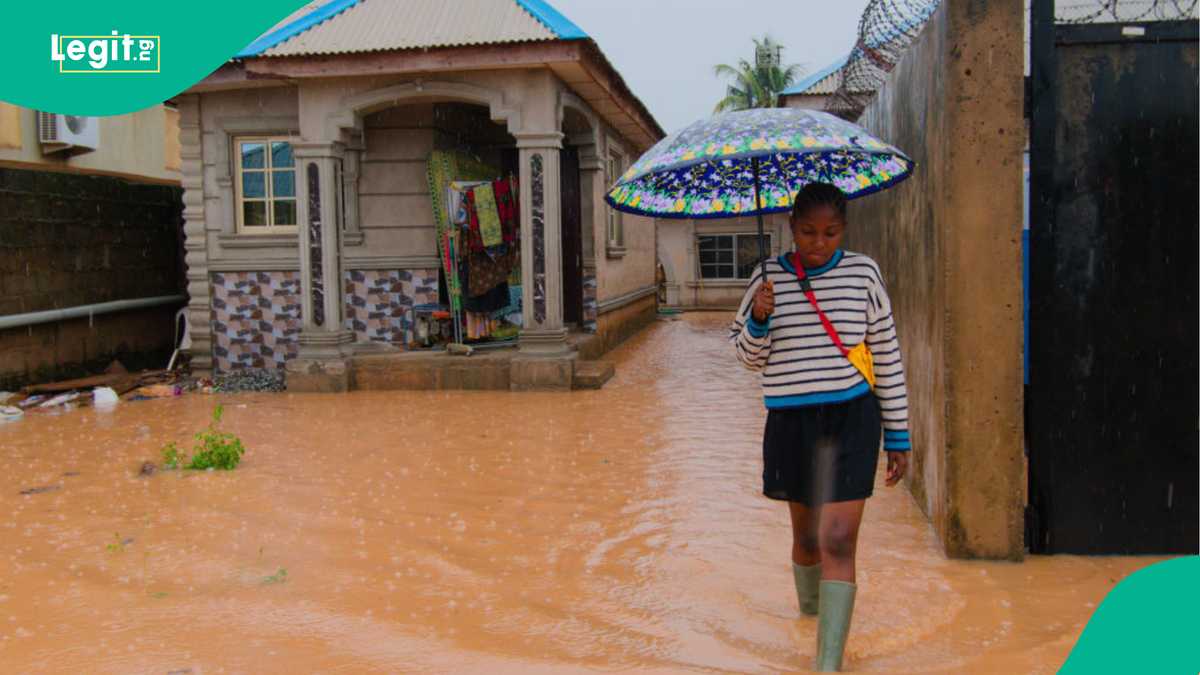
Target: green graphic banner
{"x":1147,"y":624}
{"x":107,"y":58}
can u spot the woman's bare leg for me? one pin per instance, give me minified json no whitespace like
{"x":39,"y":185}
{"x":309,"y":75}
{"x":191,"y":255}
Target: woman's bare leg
{"x":806,"y":550}
{"x":838,"y":539}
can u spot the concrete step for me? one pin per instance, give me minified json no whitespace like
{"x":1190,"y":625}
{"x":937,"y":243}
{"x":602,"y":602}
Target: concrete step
{"x":593,"y":374}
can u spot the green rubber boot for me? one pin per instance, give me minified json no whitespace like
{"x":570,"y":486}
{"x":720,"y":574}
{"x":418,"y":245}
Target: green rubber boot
{"x":837,"y":605}
{"x":808,"y":587}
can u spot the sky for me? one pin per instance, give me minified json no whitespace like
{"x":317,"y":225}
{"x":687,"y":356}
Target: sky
{"x":666,"y":49}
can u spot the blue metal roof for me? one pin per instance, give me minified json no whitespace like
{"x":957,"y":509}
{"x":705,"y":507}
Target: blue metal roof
{"x":816,"y":77}
{"x":553,"y":19}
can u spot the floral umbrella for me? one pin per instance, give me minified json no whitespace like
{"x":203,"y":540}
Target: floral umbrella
{"x":715,"y":168}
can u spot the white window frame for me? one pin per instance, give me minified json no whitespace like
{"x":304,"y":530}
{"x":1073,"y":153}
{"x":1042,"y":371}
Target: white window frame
{"x":736,"y":236}
{"x":614,"y":168}
{"x":268,"y":188}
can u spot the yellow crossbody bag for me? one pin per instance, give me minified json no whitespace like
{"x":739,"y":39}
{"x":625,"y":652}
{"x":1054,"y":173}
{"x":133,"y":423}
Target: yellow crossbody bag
{"x":860,"y":356}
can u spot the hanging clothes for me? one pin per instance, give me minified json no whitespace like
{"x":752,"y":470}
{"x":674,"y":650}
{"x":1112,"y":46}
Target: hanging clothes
{"x":505,"y":192}
{"x":489,"y":302}
{"x":484,"y":199}
{"x":486,"y":272}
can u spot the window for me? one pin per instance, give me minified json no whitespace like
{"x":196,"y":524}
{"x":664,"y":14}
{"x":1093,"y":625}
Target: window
{"x":728,"y":256}
{"x":266,"y":185}
{"x":614,"y":167}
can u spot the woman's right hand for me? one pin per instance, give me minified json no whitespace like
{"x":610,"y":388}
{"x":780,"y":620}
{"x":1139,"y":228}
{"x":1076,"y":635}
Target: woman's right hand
{"x":764,"y":302}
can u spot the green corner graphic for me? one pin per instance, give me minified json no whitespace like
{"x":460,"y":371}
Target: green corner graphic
{"x":159,"y":50}
{"x":1147,"y":624}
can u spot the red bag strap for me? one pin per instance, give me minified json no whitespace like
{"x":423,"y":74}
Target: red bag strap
{"x":812,"y":299}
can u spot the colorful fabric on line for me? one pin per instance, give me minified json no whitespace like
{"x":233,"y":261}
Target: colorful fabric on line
{"x":487,"y":272}
{"x":507,"y":208}
{"x":445,"y":167}
{"x":484,"y":200}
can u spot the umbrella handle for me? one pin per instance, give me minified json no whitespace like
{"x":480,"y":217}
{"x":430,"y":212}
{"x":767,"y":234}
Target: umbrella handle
{"x":762,"y":239}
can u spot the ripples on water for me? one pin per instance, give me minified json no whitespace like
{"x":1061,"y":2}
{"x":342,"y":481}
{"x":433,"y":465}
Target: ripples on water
{"x":431,"y":531}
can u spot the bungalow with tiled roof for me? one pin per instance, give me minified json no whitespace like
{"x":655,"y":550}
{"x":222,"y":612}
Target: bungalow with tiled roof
{"x":315,"y":217}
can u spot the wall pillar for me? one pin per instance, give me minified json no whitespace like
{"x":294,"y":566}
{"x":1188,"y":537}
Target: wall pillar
{"x":199,"y":310}
{"x":541,"y":244}
{"x":591,"y":183}
{"x":323,"y":362}
{"x":546,"y":360}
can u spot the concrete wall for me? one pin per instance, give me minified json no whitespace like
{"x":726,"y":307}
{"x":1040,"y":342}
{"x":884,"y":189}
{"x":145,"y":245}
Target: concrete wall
{"x":808,"y":101}
{"x":620,"y":272}
{"x":142,"y":144}
{"x":68,"y":240}
{"x":949,"y":243}
{"x":395,"y":211}
{"x":678,"y":253}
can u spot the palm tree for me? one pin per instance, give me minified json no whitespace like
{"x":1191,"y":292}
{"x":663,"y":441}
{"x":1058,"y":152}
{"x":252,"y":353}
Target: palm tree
{"x":757,"y":85}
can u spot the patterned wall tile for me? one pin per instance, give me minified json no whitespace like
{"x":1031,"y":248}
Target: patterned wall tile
{"x":379,"y":303}
{"x":256,"y":319}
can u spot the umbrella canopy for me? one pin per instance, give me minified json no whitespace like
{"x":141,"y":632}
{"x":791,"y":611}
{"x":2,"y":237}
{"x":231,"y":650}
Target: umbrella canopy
{"x":708,"y":169}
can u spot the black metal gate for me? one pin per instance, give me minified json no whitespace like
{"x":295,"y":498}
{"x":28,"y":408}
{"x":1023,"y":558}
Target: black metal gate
{"x":1112,"y":414}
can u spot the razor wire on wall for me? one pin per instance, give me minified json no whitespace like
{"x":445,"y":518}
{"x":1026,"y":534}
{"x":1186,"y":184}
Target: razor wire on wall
{"x":888,"y":27}
{"x":885,"y":31}
{"x":1122,"y":11}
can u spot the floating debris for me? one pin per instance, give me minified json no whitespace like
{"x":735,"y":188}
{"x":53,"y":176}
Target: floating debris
{"x":148,"y":469}
{"x":41,"y":489}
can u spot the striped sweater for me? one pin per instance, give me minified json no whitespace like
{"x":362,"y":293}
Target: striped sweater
{"x":800,"y":364}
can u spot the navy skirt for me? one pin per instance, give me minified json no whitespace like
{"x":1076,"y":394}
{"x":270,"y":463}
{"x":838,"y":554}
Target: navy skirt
{"x":825,"y":453}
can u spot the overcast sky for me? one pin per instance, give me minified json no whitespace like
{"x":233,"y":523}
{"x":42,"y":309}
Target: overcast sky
{"x":666,"y":49}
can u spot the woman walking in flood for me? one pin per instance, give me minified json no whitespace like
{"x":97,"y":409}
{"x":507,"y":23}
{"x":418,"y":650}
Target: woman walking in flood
{"x":818,"y":324}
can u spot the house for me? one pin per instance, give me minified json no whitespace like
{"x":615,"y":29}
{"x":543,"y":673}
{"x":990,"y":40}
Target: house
{"x":90,"y":241}
{"x":813,"y":92}
{"x":707,"y":263}
{"x":312,"y":229}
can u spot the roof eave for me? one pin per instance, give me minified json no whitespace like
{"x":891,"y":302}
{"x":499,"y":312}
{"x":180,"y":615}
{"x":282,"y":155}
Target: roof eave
{"x":262,"y":71}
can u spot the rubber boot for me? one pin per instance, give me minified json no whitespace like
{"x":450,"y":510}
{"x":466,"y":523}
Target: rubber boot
{"x":837,"y":605}
{"x":808,"y":587}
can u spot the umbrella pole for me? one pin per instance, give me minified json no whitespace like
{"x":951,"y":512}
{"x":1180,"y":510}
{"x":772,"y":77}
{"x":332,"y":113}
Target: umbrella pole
{"x":762,"y":239}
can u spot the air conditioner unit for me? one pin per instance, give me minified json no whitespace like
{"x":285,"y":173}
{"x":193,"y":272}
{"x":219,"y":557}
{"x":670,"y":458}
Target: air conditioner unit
{"x":73,"y":133}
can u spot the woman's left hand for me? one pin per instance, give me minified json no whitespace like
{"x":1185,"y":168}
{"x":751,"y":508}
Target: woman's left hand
{"x":897,"y":467}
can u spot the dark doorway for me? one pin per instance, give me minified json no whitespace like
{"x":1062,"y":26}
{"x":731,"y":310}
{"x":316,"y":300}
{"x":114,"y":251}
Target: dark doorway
{"x":572,"y":240}
{"x":1112,"y":409}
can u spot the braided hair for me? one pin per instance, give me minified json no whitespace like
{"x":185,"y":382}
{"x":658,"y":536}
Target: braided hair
{"x":819,"y":194}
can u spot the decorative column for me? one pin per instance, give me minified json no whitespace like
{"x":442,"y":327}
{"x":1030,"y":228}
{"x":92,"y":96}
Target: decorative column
{"x":546,"y":361}
{"x":592,"y":188}
{"x":323,"y":363}
{"x":541,"y":244}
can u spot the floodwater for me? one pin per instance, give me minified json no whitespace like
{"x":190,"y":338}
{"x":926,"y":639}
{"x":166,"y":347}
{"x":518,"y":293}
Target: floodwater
{"x":389,"y":532}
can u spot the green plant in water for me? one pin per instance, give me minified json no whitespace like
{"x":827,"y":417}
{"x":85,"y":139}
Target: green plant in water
{"x":214,"y":449}
{"x":277,"y":578}
{"x":172,"y":457}
{"x":116,"y":545}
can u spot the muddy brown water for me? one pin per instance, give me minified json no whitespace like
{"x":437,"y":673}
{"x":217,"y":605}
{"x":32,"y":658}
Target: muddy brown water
{"x":387,"y":532}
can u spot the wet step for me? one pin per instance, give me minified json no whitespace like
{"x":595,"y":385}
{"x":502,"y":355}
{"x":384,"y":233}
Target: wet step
{"x":593,"y":374}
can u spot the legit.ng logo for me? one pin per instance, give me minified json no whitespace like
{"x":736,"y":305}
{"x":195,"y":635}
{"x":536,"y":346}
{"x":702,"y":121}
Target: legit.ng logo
{"x":107,"y":53}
